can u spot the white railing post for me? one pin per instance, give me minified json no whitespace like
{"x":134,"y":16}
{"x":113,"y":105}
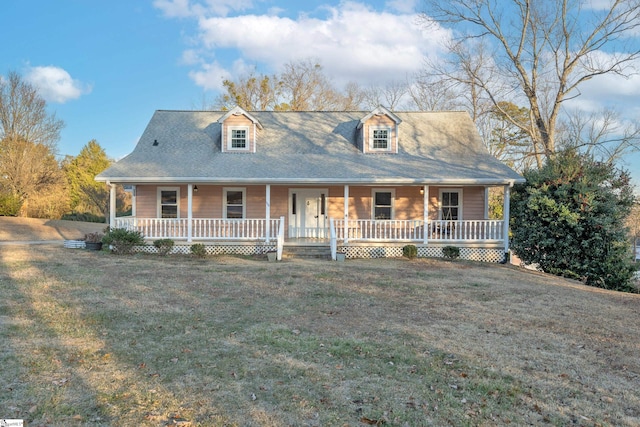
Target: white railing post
{"x":112,"y":205}
{"x":333,"y":241}
{"x":267,"y":209}
{"x":346,"y":214}
{"x":425,"y":214}
{"x":189,"y":213}
{"x":280,"y":241}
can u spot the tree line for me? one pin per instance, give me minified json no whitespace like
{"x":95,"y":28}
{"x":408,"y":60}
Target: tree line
{"x":33,"y":182}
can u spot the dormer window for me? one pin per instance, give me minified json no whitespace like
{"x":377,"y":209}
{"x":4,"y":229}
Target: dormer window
{"x":379,"y":131}
{"x":380,"y":139}
{"x":238,"y":138}
{"x":239,"y":131}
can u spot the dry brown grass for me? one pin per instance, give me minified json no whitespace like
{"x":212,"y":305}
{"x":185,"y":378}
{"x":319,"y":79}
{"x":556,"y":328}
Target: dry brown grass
{"x":90,"y":338}
{"x":34,"y":229}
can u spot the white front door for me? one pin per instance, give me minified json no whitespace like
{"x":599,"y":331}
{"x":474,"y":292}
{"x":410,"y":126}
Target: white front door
{"x":308,"y":213}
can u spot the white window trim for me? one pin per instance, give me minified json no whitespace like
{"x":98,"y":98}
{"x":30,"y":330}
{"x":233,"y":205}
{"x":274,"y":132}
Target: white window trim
{"x":159,"y":200}
{"x":373,"y":201}
{"x":389,"y":130}
{"x":225,"y":190}
{"x":460,"y":201}
{"x":229,"y":135}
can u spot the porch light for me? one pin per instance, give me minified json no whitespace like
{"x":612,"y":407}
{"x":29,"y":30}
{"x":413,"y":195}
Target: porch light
{"x":421,"y":190}
{"x":195,"y":188}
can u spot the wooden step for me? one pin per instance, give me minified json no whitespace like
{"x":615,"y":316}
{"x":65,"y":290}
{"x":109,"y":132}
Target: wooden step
{"x":317,"y":252}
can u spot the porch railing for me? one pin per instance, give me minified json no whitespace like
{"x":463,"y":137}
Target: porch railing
{"x":414,"y":230}
{"x":356,"y":230}
{"x":202,"y":228}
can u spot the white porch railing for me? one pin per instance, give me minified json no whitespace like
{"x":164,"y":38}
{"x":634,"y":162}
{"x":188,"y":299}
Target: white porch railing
{"x":202,"y":228}
{"x":356,"y":230}
{"x":414,"y":230}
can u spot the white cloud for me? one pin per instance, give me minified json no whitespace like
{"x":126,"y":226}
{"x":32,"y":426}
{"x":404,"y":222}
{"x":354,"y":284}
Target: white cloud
{"x":353,"y":42}
{"x":55,"y":84}
{"x":210,"y":76}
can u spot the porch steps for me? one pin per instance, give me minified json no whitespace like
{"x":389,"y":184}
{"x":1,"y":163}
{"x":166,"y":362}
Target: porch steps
{"x":308,"y":252}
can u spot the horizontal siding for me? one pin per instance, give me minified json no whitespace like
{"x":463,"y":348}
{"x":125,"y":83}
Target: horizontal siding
{"x":238,"y":121}
{"x":375,"y":121}
{"x":473,"y":203}
{"x":408,"y":203}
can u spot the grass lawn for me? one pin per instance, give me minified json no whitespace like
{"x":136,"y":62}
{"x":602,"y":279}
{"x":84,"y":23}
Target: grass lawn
{"x":90,"y":338}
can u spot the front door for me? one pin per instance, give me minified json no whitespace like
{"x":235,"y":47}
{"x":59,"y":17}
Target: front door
{"x":308,"y":213}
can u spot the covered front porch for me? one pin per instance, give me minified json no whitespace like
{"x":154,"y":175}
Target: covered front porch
{"x":321,"y":226}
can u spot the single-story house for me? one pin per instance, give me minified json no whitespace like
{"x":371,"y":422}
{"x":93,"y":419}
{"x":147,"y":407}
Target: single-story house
{"x":360,"y":183}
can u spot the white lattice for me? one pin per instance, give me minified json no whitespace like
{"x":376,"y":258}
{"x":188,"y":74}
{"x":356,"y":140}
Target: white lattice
{"x":493,"y":255}
{"x":471,"y":254}
{"x":212,"y":249}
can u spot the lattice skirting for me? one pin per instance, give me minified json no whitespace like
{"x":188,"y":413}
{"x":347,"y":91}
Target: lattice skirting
{"x":471,"y":254}
{"x":468,"y":253}
{"x":247,"y":250}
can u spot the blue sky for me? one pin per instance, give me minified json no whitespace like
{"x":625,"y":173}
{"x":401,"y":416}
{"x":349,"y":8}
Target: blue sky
{"x":105,"y":67}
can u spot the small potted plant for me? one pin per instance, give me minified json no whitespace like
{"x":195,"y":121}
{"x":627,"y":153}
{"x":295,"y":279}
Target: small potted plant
{"x":93,"y":241}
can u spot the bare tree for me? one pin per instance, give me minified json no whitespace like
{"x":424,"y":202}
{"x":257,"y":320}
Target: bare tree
{"x":28,"y":137}
{"x":429,"y":92}
{"x":23,"y":114}
{"x":251,"y":92}
{"x":302,"y":86}
{"x":543,"y":50}
{"x":307,"y":88}
{"x":391,"y":95}
{"x":601,"y":133}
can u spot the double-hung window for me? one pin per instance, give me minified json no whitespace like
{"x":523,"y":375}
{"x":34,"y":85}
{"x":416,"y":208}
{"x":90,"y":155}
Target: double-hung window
{"x":383,"y":203}
{"x":238,"y":138}
{"x":380,"y":139}
{"x":234,"y":202}
{"x":168,"y":202}
{"x":451,"y":204}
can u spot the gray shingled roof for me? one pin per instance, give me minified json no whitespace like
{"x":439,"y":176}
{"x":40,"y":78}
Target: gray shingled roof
{"x":310,"y":147}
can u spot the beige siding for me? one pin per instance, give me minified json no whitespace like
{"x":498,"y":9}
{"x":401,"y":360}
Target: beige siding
{"x":473,"y":203}
{"x":146,"y":201}
{"x":373,"y":122}
{"x":240,"y":120}
{"x":408,"y":202}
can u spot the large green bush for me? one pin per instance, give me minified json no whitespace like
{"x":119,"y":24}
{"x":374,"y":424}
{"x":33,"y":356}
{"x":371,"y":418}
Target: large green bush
{"x":569,"y":219}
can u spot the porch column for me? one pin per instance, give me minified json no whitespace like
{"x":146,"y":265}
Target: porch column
{"x":425,"y":201}
{"x":346,"y":214}
{"x":133,"y":201}
{"x":505,"y":217}
{"x":112,"y":205}
{"x":189,"y":212}
{"x":267,"y":210}
{"x":486,"y":203}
